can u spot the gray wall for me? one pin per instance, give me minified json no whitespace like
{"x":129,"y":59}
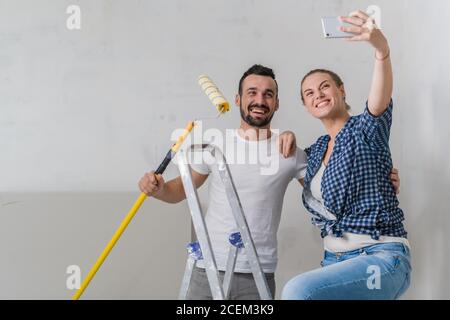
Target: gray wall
{"x":84,"y":113}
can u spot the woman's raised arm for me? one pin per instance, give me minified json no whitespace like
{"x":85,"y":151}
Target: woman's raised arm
{"x":364,"y":29}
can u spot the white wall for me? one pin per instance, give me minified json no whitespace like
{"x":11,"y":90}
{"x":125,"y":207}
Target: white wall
{"x":84,"y":113}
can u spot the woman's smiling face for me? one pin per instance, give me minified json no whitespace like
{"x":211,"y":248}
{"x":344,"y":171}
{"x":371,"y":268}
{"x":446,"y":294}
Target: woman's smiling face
{"x":322,"y":97}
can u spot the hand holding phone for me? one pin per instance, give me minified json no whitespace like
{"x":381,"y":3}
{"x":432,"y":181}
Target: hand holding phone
{"x":331,"y":28}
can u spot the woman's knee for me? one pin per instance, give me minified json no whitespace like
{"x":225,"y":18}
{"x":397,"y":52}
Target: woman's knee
{"x":298,"y":288}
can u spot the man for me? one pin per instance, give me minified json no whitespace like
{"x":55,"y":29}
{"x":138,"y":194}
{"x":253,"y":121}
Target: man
{"x":261,"y":189}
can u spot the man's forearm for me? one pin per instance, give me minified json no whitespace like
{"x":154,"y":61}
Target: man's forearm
{"x":173,"y":192}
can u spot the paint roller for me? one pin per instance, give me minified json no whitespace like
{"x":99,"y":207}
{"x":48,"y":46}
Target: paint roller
{"x":213,"y":94}
{"x":222,"y":106}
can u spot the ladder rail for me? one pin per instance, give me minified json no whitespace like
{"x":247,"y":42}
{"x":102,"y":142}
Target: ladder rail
{"x":200,"y":227}
{"x":238,"y":212}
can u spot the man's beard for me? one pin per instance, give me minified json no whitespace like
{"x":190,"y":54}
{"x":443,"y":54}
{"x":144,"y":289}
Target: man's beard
{"x":255,"y":122}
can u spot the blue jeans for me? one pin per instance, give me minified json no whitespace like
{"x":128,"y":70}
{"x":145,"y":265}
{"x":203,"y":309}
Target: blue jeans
{"x":380,"y":271}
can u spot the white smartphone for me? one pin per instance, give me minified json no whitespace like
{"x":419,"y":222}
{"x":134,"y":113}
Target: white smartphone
{"x":330,"y":27}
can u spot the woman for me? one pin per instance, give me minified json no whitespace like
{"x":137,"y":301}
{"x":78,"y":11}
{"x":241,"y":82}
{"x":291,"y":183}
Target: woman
{"x":347,"y":188}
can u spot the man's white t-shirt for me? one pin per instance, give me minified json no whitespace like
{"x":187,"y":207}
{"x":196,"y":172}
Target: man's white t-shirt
{"x":261,"y":175}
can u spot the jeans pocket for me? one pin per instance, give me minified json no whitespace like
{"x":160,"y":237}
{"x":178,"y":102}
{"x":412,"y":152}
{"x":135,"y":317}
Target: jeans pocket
{"x":391,"y":260}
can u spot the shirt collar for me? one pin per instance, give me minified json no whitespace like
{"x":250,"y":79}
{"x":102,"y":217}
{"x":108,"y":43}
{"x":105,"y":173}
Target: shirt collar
{"x":339,"y":137}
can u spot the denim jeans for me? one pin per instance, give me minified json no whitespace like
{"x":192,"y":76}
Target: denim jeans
{"x":381,"y":271}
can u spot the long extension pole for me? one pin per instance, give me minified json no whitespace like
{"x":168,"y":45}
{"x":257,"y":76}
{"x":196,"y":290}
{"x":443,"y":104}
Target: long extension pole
{"x":169,"y":156}
{"x":222,"y":105}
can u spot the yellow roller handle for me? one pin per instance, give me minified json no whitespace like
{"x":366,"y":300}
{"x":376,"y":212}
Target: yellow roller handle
{"x":181,"y":138}
{"x":131,"y":214}
{"x":110,"y":245}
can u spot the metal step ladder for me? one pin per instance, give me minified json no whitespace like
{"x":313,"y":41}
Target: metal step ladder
{"x":238,"y":240}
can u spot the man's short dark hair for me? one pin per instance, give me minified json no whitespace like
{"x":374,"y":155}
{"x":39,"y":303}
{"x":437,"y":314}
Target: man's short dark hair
{"x":259,"y":70}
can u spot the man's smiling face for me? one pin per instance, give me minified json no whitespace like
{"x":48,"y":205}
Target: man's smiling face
{"x":258,"y":101}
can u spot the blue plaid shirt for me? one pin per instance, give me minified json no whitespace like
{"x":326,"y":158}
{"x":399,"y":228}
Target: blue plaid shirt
{"x":356,"y":185}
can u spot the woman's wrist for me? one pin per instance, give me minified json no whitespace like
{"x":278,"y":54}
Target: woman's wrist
{"x":383,"y":54}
